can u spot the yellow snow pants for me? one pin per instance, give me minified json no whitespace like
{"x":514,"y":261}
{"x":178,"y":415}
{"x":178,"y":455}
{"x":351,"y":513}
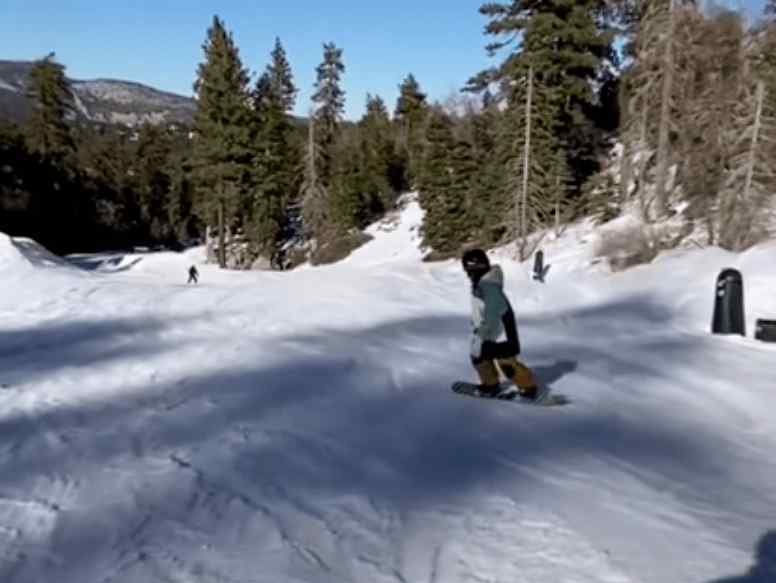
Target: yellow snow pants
{"x":511,"y":368}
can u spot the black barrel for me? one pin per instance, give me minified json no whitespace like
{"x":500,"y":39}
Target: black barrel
{"x":538,"y":271}
{"x":729,"y":304}
{"x":765,"y":330}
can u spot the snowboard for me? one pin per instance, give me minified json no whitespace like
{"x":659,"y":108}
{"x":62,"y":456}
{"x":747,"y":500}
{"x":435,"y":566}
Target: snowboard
{"x":544,"y":398}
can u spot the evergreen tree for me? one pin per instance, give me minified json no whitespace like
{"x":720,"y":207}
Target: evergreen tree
{"x":347,"y":188}
{"x":313,"y":192}
{"x":361,"y":187}
{"x":442,"y":187}
{"x":569,"y":45}
{"x":107,"y":158}
{"x":49,"y":134}
{"x":224,"y":133}
{"x":488,"y":198}
{"x":152,"y":182}
{"x":276,"y":158}
{"x":56,"y":202}
{"x":281,"y":78}
{"x":16,"y":169}
{"x":381,"y":169}
{"x":537,"y":175}
{"x":410,"y":117}
{"x":329,"y":100}
{"x":179,"y":203}
{"x":324,"y":131}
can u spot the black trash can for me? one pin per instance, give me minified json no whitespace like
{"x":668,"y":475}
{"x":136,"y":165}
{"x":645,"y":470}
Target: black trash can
{"x":538,"y":271}
{"x":765,"y":330}
{"x":729,"y":304}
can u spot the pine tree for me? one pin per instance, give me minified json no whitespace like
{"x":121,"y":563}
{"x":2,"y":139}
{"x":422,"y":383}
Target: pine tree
{"x":56,"y":200}
{"x":537,"y":175}
{"x":410,"y":117}
{"x":380,"y":168}
{"x":348,"y":196}
{"x":152,"y":183}
{"x":281,"y":78}
{"x":569,"y":45}
{"x":179,"y":202}
{"x":277,"y":158}
{"x":329,"y":99}
{"x":443,"y":186}
{"x":323,"y":133}
{"x":313,"y":192}
{"x":223,"y":144}
{"x":49,"y":134}
{"x":488,"y":191}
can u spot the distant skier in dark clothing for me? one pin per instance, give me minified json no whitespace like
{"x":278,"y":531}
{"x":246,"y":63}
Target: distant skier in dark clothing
{"x":492,"y":317}
{"x":193,"y":275}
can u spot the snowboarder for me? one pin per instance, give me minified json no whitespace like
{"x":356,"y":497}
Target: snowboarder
{"x":492,"y":316}
{"x":193,"y":275}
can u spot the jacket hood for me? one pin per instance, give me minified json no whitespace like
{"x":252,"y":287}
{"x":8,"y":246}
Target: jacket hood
{"x":495,"y":276}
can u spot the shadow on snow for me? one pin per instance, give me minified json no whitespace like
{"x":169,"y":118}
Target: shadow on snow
{"x":362,"y":412}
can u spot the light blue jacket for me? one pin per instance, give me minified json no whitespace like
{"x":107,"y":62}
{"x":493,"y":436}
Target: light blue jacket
{"x":489,"y":305}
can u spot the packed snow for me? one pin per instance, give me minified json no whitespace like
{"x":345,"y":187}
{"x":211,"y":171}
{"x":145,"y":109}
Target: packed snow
{"x":299,"y":426}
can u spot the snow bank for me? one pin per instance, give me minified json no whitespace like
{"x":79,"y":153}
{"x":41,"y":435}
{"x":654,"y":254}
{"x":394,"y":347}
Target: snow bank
{"x":395,"y":238}
{"x":11,"y":258}
{"x":20,"y":254}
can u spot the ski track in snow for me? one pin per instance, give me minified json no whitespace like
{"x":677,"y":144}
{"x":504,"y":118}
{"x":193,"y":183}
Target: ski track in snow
{"x":288,"y":427}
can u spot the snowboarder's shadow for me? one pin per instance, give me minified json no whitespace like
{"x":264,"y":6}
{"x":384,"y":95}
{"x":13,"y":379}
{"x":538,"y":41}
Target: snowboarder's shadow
{"x":764,"y":569}
{"x":549,"y":374}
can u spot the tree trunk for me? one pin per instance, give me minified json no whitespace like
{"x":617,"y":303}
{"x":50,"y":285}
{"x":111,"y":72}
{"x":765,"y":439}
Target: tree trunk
{"x":523,"y":202}
{"x":661,"y":196}
{"x":755,"y":137}
{"x":626,"y":171}
{"x":209,"y":244}
{"x":747,"y":212}
{"x":312,"y":174}
{"x":221,"y":231}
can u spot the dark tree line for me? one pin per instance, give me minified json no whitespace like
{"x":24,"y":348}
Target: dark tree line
{"x":77,"y":186}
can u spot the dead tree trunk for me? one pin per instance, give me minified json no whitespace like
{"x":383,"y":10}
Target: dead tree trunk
{"x":522,"y":203}
{"x":661,"y":195}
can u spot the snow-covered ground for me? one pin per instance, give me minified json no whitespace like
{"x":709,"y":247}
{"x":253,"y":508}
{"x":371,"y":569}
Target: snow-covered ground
{"x":299,"y":426}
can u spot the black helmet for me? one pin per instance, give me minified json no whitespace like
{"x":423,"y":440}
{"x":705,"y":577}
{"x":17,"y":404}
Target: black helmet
{"x":475,"y":262}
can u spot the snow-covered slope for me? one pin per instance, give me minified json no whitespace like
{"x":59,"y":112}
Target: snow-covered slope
{"x":298,"y":426}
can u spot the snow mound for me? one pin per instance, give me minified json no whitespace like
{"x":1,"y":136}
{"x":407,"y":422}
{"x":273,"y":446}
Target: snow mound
{"x":10,"y":256}
{"x":394,"y":238}
{"x":162,"y":263}
{"x":154,"y":262}
{"x":21,"y":253}
{"x":105,"y":262}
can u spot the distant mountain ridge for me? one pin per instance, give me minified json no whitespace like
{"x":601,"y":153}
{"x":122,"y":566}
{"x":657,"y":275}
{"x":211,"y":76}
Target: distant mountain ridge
{"x":99,"y":100}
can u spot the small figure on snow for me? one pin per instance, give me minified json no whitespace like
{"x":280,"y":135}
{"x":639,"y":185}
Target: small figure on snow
{"x":492,"y":317}
{"x":193,"y":275}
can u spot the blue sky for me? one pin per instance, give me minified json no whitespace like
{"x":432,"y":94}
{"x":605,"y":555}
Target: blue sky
{"x":159,"y":42}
